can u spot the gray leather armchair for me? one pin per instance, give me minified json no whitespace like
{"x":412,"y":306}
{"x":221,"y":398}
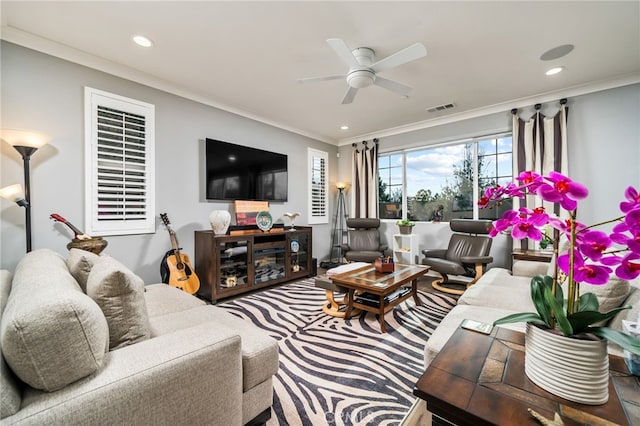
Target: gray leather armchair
{"x":467,"y":254}
{"x":363,"y":240}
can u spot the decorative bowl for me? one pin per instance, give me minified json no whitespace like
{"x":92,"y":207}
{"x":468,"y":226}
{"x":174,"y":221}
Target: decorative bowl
{"x":94,"y":244}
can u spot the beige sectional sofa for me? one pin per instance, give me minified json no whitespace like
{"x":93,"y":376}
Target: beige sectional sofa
{"x":499,"y":293}
{"x":84,"y":341}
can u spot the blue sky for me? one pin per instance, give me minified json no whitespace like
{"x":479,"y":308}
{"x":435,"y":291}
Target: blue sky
{"x":431,"y":168}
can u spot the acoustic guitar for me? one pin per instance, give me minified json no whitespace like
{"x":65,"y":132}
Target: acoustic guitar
{"x":179,"y":272}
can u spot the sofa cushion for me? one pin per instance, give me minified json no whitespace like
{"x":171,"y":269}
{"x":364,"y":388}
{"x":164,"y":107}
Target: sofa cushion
{"x":52,"y":333}
{"x":259,"y":350}
{"x":80,"y":263}
{"x":499,"y":289}
{"x":162,"y":299}
{"x":10,"y":396}
{"x":610,"y":295}
{"x":120,"y":295}
{"x":633,"y":300}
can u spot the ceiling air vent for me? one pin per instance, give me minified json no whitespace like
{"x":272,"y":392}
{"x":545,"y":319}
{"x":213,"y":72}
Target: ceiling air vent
{"x":441,"y":107}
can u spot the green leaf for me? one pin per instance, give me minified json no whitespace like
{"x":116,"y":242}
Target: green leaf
{"x":583,"y":319}
{"x":588,"y":302}
{"x":520,"y":317}
{"x":558,"y":312}
{"x":538,"y":285}
{"x":632,"y":344}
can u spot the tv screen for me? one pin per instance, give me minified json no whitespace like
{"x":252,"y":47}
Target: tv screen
{"x":236,"y":172}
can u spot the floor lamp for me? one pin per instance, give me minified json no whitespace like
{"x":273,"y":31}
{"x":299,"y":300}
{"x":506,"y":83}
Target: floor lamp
{"x":26,"y":143}
{"x":339,"y":225}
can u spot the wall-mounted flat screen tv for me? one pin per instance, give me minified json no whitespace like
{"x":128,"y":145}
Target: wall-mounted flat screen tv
{"x":236,"y":172}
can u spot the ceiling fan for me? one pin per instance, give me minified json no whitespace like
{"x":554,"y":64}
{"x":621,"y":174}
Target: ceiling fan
{"x":363,"y":70}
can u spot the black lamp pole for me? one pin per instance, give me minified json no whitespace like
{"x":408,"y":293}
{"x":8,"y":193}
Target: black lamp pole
{"x":26,"y":152}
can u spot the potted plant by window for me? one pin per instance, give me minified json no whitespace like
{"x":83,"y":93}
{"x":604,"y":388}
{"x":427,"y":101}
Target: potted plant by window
{"x":406,"y":226}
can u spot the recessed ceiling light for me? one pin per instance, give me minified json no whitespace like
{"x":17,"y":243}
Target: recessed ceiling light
{"x":554,"y":71}
{"x":143,"y":41}
{"x":344,"y":127}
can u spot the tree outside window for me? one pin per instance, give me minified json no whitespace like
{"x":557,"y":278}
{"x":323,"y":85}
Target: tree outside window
{"x":440,"y":181}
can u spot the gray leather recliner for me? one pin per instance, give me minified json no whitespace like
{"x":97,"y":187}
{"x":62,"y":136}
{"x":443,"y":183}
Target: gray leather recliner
{"x":363,"y":238}
{"x":467,"y":254}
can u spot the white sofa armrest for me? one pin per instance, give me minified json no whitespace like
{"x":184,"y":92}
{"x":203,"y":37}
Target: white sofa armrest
{"x":194,"y":374}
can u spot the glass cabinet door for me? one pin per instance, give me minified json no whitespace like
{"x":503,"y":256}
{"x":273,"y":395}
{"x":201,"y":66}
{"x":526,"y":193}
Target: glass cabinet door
{"x":233,"y":257}
{"x":298,"y":252}
{"x":268,"y":263}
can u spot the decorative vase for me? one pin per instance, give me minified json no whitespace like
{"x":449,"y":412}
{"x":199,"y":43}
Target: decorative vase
{"x":405,"y":229}
{"x":571,"y":368}
{"x":220,"y":220}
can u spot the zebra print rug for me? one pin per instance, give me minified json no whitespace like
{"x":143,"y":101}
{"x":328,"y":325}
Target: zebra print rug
{"x":336,"y":372}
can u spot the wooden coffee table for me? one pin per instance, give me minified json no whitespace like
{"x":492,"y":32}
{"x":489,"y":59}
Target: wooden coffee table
{"x":479,"y":379}
{"x":367,"y":279}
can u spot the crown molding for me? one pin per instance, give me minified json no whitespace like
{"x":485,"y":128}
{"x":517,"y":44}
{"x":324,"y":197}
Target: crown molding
{"x":34,"y":42}
{"x":570,"y":92}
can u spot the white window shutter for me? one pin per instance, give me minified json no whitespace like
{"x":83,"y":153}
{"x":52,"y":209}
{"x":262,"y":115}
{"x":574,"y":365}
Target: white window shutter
{"x":120,"y":178}
{"x":318,"y":186}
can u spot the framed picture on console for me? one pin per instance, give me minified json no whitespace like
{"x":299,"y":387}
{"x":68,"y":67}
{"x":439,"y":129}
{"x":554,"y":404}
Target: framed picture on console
{"x":246,"y":211}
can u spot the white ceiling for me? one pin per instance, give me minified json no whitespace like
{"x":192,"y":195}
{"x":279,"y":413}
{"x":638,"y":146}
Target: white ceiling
{"x":246,"y":57}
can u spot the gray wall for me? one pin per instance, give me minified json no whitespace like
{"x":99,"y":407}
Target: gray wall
{"x":604,"y":154}
{"x":43,"y":93}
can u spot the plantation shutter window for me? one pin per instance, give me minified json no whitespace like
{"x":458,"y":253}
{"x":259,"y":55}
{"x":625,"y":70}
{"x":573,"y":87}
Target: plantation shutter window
{"x":120,"y":177}
{"x":318,"y":186}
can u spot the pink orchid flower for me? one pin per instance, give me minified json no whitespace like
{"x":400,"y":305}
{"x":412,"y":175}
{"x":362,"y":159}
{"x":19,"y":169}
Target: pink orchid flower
{"x":593,"y":244}
{"x":584,"y":272}
{"x":564,"y":191}
{"x":633,"y":200}
{"x":629,"y":265}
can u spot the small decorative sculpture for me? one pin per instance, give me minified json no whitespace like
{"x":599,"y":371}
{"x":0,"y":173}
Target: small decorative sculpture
{"x":557,"y":420}
{"x":292,"y":218}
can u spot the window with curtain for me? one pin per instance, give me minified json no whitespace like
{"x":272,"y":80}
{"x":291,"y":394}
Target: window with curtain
{"x":120,"y":177}
{"x":445,"y":181}
{"x":318,"y":186}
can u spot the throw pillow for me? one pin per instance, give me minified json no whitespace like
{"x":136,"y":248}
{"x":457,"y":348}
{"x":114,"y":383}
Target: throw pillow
{"x":120,"y":295}
{"x":52,"y":334}
{"x":80,"y":263}
{"x":610,"y":295}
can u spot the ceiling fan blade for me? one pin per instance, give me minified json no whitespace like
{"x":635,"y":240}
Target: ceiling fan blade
{"x":343,"y":52}
{"x":325,"y":78}
{"x":348,"y":97}
{"x":394,"y":86}
{"x":408,"y":54}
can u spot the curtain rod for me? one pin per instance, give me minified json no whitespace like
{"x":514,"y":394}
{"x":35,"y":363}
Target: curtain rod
{"x":355,"y":144}
{"x":538,"y":106}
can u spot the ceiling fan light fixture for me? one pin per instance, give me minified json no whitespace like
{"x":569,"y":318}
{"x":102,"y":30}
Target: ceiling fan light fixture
{"x":359,"y":79}
{"x":344,"y":127}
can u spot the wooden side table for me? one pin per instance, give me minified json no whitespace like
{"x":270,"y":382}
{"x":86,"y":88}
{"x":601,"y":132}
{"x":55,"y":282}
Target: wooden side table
{"x":532,"y":255}
{"x":479,"y":379}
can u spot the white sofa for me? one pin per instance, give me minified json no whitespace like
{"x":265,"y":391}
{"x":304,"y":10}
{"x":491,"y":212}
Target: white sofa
{"x":173,"y":359}
{"x":499,"y":293}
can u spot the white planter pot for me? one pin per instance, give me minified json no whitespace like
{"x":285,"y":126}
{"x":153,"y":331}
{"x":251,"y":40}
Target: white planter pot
{"x":220,"y":220}
{"x":574,"y":369}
